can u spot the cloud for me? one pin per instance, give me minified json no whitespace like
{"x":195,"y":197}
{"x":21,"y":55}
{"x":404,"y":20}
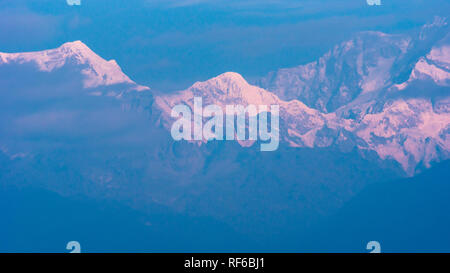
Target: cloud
{"x":21,"y":25}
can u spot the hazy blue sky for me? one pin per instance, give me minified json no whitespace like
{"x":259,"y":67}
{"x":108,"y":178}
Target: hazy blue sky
{"x":169,"y":44}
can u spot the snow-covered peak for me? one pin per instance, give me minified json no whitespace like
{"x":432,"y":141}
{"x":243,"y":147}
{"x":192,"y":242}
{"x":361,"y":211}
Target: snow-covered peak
{"x":230,"y":77}
{"x":77,"y":46}
{"x":356,"y":67}
{"x":232,"y":88}
{"x":230,"y":82}
{"x":95,"y":70}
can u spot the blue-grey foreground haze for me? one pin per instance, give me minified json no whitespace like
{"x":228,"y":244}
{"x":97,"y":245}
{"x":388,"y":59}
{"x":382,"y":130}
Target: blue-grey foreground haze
{"x":87,"y":155}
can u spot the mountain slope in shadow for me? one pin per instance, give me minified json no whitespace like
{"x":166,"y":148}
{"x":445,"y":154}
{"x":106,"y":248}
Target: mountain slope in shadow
{"x":408,"y":215}
{"x":38,"y":220}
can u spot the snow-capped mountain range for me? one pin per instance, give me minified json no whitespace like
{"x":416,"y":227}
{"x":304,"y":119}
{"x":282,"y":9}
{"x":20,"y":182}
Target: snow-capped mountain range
{"x":356,"y":95}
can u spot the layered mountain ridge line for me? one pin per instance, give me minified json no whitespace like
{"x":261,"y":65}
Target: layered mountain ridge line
{"x":385,"y":117}
{"x":364,"y":66}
